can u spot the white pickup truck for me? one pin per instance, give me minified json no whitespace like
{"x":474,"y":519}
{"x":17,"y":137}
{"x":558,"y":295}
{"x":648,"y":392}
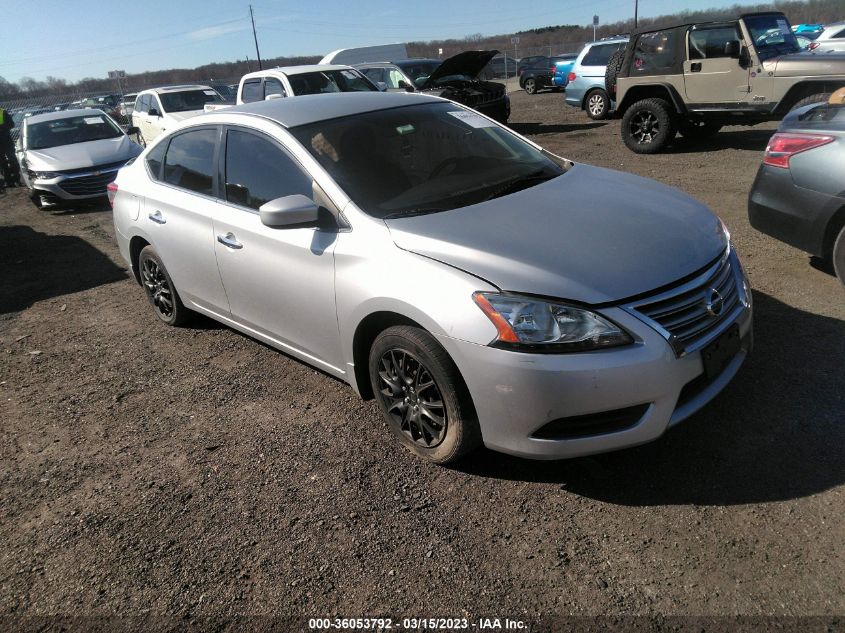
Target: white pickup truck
{"x":290,"y":81}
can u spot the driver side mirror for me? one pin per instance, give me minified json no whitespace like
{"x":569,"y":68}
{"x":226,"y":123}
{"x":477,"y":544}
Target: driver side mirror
{"x":132,"y":130}
{"x":18,"y":145}
{"x":381,"y":86}
{"x":289,"y":212}
{"x":154,"y":112}
{"x":405,"y":86}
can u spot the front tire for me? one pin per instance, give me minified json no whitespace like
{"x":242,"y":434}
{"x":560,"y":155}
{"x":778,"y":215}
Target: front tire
{"x":160,"y":290}
{"x":422,"y":395}
{"x":530,"y":87}
{"x":839,"y":256}
{"x":648,"y":126}
{"x":597,"y":105}
{"x":140,"y":139}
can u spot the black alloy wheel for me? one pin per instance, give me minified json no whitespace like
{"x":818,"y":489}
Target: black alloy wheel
{"x":412,"y":397}
{"x":159,"y":288}
{"x":648,"y":126}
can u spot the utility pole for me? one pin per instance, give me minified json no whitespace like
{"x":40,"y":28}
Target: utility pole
{"x":636,"y":6}
{"x":255,"y":37}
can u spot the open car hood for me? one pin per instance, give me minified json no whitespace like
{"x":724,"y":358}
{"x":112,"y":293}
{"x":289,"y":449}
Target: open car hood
{"x":468,"y":63}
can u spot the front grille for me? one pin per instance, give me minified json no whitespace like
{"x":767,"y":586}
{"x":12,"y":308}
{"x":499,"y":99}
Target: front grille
{"x":682,"y":312}
{"x":88,"y":185}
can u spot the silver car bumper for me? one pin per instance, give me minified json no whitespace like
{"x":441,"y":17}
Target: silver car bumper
{"x":73,"y":187}
{"x":518,"y":396}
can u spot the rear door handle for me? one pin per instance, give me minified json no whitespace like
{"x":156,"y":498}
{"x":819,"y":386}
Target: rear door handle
{"x":695,"y":67}
{"x":229,"y":240}
{"x":157,"y":217}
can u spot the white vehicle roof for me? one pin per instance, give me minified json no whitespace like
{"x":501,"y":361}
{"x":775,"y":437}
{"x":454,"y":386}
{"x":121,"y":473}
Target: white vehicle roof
{"x":296,"y":70}
{"x":64,"y":114}
{"x":366,"y":54}
{"x":183,"y":88}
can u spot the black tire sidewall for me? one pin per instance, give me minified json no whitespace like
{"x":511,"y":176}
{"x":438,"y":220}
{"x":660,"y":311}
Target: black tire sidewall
{"x":838,"y":256}
{"x":462,"y":432}
{"x":605,"y":110}
{"x":665,"y":117}
{"x":180,"y":312}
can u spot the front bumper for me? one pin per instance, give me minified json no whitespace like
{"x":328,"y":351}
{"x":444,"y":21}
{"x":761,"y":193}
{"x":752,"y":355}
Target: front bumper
{"x":517,"y":394}
{"x":66,"y":189}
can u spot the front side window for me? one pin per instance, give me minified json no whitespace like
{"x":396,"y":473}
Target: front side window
{"x":258,"y":171}
{"x":654,"y":53}
{"x":423,"y":158}
{"x":142,"y":104}
{"x":710,"y":42}
{"x":374,"y":74}
{"x":70,"y":130}
{"x":188,"y":100}
{"x":251,"y":91}
{"x":189,"y":162}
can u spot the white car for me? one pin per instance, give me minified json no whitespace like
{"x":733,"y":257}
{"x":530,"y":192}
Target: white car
{"x":159,"y":109}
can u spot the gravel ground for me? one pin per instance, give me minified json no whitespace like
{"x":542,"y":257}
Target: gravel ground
{"x":180,"y":476}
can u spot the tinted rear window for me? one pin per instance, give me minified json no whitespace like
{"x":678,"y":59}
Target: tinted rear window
{"x":599,"y":54}
{"x":189,"y":162}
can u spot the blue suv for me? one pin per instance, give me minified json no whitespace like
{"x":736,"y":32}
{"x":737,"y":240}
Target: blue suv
{"x":585,"y":85}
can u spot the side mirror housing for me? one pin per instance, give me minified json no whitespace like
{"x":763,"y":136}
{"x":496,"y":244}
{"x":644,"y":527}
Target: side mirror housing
{"x":381,"y":86}
{"x":132,"y":130}
{"x":154,"y":112}
{"x":275,"y":96}
{"x":744,"y":57}
{"x":406,"y":86}
{"x":732,"y":49}
{"x":289,"y":211}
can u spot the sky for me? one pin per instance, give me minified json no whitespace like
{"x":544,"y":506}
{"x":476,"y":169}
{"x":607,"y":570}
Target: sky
{"x":73,"y":39}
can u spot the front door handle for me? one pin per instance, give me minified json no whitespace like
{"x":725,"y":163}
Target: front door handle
{"x":229,"y":240}
{"x":695,"y":67}
{"x":157,"y":217}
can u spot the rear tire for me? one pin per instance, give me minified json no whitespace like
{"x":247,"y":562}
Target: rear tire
{"x":820,"y":97}
{"x":695,"y":130}
{"x":140,"y":139}
{"x":422,"y":395}
{"x":159,"y":288}
{"x":648,"y":126}
{"x":839,"y":256}
{"x":530,"y":86}
{"x":597,"y":105}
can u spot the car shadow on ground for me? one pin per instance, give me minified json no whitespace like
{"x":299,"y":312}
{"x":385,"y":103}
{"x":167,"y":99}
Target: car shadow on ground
{"x":775,"y":433}
{"x":752,"y":140}
{"x":555,"y":128}
{"x":37,"y":266}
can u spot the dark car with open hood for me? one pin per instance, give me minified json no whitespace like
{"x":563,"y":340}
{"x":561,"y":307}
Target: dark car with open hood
{"x":456,"y":78}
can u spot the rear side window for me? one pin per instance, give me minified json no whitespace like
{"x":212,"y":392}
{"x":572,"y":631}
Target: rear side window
{"x":839,"y":35}
{"x":257,"y":171}
{"x":155,"y":159}
{"x":189,"y":161}
{"x":599,"y":55}
{"x":252,"y":91}
{"x":654,"y":53}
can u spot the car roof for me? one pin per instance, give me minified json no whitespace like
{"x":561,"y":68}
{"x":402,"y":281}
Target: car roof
{"x":307,"y":109}
{"x":297,"y":70}
{"x":62,"y":114}
{"x":180,"y":88}
{"x":830,"y":30}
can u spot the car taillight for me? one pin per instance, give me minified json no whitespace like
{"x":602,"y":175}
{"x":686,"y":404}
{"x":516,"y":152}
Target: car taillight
{"x":782,"y":147}
{"x":111,"y":191}
{"x":571,"y":77}
{"x":553,"y":69}
{"x":813,"y":46}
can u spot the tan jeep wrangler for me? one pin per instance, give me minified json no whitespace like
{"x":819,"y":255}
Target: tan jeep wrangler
{"x":695,"y":78}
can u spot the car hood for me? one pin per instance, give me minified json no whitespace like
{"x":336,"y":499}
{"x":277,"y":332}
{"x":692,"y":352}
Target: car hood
{"x":81,"y":155}
{"x":592,"y":235}
{"x":807,"y":63}
{"x":468,"y":63}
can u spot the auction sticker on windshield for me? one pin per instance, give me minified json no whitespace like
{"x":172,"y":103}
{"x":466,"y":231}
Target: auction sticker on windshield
{"x":93,"y":120}
{"x":472,"y":119}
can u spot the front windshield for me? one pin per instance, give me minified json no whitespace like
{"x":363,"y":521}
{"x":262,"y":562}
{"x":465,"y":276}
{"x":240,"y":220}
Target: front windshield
{"x":423,"y":158}
{"x":188,"y":100}
{"x":70,"y":130}
{"x":328,"y":81}
{"x":772,"y":36}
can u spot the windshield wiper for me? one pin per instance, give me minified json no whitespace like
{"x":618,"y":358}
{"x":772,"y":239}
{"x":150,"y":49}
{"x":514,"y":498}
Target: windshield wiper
{"x":412,"y":212}
{"x":520,"y":182}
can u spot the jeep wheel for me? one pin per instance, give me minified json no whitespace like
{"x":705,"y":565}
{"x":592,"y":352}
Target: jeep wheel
{"x":695,"y":130}
{"x":530,"y":86}
{"x":821,"y":97}
{"x":614,"y":65}
{"x":648,"y":126}
{"x":597,"y":105}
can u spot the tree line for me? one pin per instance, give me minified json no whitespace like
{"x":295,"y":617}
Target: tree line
{"x":556,"y":39}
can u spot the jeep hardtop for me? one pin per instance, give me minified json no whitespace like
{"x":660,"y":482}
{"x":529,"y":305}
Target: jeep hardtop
{"x":695,"y":78}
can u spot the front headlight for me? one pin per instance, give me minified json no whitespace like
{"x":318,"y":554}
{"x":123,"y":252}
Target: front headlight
{"x":45,"y":175}
{"x":535,"y":325}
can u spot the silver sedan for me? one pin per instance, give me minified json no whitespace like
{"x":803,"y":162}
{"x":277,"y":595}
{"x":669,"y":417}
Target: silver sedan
{"x":480,"y":288}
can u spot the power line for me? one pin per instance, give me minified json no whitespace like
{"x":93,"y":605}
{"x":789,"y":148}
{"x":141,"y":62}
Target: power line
{"x":255,"y":37}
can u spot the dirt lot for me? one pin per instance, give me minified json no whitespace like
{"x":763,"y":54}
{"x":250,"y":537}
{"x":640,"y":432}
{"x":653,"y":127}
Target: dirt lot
{"x":197,"y":474}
